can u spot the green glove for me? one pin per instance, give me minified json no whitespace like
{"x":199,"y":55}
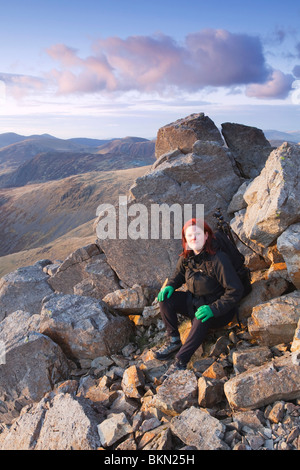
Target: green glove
{"x":166,"y":291}
{"x":204,"y":313}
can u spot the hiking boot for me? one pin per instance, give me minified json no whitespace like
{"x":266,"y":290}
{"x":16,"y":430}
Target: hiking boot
{"x":168,"y":349}
{"x":174,"y":367}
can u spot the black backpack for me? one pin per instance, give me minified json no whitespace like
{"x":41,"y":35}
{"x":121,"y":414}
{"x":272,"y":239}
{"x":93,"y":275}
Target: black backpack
{"x":224,"y":241}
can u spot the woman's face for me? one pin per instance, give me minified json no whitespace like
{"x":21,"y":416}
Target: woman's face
{"x":195,"y":238}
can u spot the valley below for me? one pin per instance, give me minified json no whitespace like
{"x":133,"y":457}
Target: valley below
{"x":48,"y":199}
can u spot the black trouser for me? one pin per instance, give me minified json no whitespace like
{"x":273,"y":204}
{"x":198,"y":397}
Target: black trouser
{"x":178,"y":303}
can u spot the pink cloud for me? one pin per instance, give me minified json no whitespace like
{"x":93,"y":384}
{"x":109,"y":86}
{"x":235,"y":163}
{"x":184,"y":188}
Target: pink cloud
{"x":278,"y":86}
{"x":143,"y":63}
{"x":21,"y":85}
{"x":157,"y":63}
{"x":67,"y":56}
{"x":78,"y":75}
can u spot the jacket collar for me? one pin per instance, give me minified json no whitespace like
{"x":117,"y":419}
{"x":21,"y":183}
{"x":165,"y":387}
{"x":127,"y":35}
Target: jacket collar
{"x":202,"y":256}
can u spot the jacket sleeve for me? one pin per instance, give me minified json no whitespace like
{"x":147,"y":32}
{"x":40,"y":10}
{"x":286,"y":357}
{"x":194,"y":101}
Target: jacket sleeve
{"x":178,"y":278}
{"x":226,"y":276}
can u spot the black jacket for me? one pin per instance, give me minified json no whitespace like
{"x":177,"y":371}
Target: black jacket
{"x":211,"y":280}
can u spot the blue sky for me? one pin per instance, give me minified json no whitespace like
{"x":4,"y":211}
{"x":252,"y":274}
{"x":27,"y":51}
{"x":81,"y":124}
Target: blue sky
{"x":112,"y":68}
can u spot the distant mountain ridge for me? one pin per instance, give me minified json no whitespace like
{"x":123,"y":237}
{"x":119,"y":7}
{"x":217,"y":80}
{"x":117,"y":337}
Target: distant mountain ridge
{"x":291,"y":136}
{"x":58,"y":165}
{"x":44,"y":158}
{"x":10,"y":138}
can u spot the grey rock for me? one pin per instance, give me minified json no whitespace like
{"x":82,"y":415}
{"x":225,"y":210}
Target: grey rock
{"x":182,"y":134}
{"x":274,"y":322}
{"x":84,"y":327}
{"x":23,"y":289}
{"x":259,"y":386}
{"x":238,"y":202}
{"x":129,"y":301}
{"x":288,"y":244}
{"x":85,"y":272}
{"x":245,"y":359}
{"x":249,"y":147}
{"x":60,"y":423}
{"x":210,"y":392}
{"x":33,"y":364}
{"x":113,"y":428}
{"x":178,"y":392}
{"x":273,"y":198}
{"x":197,"y":428}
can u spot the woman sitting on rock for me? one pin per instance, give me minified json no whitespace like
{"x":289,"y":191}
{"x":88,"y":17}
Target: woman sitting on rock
{"x":213,"y":292}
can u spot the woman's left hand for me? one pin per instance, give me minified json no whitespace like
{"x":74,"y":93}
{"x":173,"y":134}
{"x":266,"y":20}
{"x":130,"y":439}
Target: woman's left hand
{"x":204,"y":313}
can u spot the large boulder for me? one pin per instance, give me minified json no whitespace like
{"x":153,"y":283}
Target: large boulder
{"x":24,"y":289}
{"x":273,"y":198}
{"x":183,"y":133}
{"x":204,"y":179}
{"x":33,"y":363}
{"x":85,"y":272}
{"x":274,"y":322}
{"x":259,"y":386}
{"x":84,"y":327}
{"x":61,"y":422}
{"x":262,"y":291}
{"x":178,"y":392}
{"x":249,"y":147}
{"x":195,"y":427}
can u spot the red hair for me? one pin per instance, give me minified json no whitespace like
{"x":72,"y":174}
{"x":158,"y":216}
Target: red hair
{"x":207,"y":230}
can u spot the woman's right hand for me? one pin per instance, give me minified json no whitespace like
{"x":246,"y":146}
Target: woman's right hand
{"x":166,"y":291}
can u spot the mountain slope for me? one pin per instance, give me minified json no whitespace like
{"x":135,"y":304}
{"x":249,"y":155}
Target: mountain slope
{"x":37,"y":214}
{"x":58,"y":249}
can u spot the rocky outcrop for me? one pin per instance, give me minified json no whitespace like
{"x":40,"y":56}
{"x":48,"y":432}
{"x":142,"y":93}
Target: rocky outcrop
{"x":249,"y":147}
{"x":183,"y":133}
{"x":206,"y":176}
{"x":259,"y":386}
{"x":85,"y":272}
{"x":275,"y":321}
{"x":24,"y":289}
{"x":273,"y":198}
{"x":60,"y":422}
{"x":127,"y":409}
{"x":84,"y":328}
{"x":33,"y":364}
